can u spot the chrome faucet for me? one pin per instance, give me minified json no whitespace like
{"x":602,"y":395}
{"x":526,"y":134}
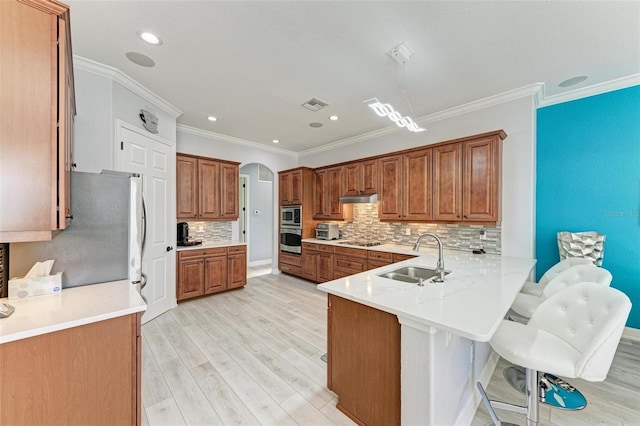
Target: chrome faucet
{"x":440,"y":264}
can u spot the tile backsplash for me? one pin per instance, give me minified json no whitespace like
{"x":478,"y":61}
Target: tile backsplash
{"x":366,"y":226}
{"x":210,"y":231}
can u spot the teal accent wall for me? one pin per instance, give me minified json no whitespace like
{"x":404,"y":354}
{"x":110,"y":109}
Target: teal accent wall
{"x":588,"y":179}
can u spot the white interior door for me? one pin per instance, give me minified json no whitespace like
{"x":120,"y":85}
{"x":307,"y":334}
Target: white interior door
{"x":153,"y":158}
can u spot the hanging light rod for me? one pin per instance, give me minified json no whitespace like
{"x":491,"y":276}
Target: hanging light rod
{"x":386,"y":110}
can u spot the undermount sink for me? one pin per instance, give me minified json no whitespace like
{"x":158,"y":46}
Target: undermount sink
{"x":411,"y":274}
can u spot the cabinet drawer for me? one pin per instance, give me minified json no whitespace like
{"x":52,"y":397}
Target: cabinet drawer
{"x":237,"y":249}
{"x":291,"y":269}
{"x":324,"y":248}
{"x":373,"y":264}
{"x":348,"y":251}
{"x":380,"y":255}
{"x":291,"y":259}
{"x":309,"y":246}
{"x":399,"y":257}
{"x":192,"y":254}
{"x":349,"y":264}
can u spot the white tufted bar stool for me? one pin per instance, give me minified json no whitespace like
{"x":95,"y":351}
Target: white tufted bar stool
{"x":526,"y":304}
{"x":537,"y":288}
{"x":573,"y":333}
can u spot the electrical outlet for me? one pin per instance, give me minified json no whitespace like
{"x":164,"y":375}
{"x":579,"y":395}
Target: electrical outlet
{"x":483,"y":235}
{"x":407,"y":231}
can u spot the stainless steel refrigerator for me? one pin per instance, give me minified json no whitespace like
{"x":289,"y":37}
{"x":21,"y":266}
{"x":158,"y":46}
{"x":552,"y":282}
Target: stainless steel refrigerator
{"x":105,"y":241}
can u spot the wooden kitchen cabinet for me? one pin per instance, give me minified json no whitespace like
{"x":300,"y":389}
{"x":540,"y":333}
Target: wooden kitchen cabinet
{"x":290,"y":263}
{"x":85,"y":375}
{"x":237,"y":266}
{"x":36,"y":119}
{"x":207,"y":188}
{"x":327,"y":190}
{"x":467,"y":180}
{"x":210,"y":270}
{"x":348,"y":261}
{"x":406,"y":186}
{"x":291,"y":187}
{"x":309,"y":260}
{"x":447,"y":182}
{"x":187,"y":187}
{"x":360,"y":178}
{"x":481,"y":180}
{"x":363,"y":361}
{"x":325,"y":266}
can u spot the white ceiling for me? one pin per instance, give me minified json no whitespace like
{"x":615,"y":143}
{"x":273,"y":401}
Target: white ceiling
{"x":253,"y":63}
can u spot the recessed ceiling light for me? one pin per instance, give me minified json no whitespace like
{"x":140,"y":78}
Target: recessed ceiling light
{"x":150,"y":38}
{"x":275,"y":141}
{"x":314,"y":124}
{"x":573,"y":81}
{"x":140,"y":59}
{"x":212,"y":118}
{"x":333,"y":117}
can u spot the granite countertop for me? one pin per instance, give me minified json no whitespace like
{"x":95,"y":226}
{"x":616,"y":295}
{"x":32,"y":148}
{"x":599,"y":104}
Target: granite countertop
{"x":70,"y":308}
{"x":211,"y":244}
{"x":471,"y":303}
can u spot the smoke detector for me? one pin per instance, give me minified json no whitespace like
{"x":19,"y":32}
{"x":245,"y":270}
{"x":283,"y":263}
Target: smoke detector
{"x":315,"y":104}
{"x":401,"y":53}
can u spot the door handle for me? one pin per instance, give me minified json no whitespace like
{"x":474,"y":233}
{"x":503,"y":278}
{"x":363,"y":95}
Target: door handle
{"x":169,"y":248}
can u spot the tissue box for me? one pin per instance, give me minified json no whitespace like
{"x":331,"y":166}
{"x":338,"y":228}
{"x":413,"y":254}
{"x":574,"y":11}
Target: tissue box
{"x":20,"y":288}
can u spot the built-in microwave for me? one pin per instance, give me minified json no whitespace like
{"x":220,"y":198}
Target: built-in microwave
{"x":290,"y":215}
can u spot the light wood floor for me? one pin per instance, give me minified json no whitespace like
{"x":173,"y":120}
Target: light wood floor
{"x":252,"y":356}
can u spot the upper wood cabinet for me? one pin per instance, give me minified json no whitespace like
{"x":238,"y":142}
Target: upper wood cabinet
{"x":36,"y":120}
{"x":481,"y":180}
{"x":447,"y":182}
{"x":467,"y":180}
{"x":406,"y":186}
{"x":291,"y":187}
{"x":207,"y":188}
{"x":360,"y":178}
{"x":327,"y":190}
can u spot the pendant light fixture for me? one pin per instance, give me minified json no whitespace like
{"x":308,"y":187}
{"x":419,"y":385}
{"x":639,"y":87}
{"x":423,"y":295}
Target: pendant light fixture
{"x":401,"y":53}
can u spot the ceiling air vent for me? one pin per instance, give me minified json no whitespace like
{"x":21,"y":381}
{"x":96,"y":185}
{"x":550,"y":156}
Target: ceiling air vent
{"x":314,"y":104}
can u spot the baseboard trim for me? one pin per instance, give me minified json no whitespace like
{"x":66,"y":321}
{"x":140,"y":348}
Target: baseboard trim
{"x":632,"y":334}
{"x":261,"y":262}
{"x":468,"y":412}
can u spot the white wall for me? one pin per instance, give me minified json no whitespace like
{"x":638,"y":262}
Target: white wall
{"x":94,"y":129}
{"x":260,"y":241}
{"x":100,"y":101}
{"x":516,"y":118}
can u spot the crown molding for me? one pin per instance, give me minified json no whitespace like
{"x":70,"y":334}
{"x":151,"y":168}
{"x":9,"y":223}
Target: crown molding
{"x":596,"y":89}
{"x":123,"y":79}
{"x":530,"y":90}
{"x":232,"y":139}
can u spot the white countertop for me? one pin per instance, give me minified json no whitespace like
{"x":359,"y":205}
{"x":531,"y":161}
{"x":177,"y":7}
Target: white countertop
{"x":471,"y":302}
{"x":71,"y":308}
{"x":211,"y":244}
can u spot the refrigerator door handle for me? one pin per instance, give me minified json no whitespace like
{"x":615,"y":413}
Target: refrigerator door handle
{"x":144,"y":225}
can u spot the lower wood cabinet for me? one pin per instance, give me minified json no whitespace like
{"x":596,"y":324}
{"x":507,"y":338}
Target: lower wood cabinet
{"x":290,"y":263}
{"x":211,"y":270}
{"x":85,"y":375}
{"x":348,"y":261}
{"x":363,"y":362}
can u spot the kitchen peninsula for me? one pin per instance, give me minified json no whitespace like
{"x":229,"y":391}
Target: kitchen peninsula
{"x":433,"y":338}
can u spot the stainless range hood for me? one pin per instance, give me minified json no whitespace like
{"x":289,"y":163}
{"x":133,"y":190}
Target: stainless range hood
{"x":356,"y":199}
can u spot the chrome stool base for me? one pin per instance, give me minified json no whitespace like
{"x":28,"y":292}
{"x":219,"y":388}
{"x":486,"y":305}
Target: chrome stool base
{"x":557,"y":392}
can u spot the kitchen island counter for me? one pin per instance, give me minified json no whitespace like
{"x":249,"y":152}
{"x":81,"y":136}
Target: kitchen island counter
{"x":472,"y":301}
{"x":442,"y":336}
{"x":73,"y":307}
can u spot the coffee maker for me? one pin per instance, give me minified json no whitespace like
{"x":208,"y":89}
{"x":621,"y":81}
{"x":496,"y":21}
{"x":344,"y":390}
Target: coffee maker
{"x":183,"y":233}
